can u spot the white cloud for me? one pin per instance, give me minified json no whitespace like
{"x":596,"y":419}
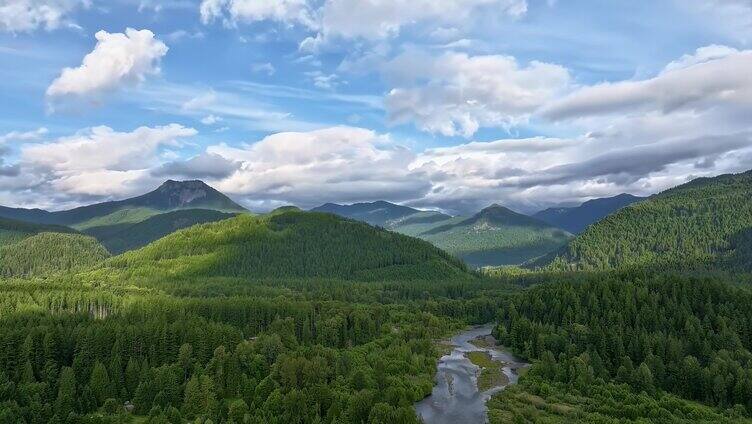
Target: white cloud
{"x":100,"y":161}
{"x":333,"y":164}
{"x":23,"y":135}
{"x":233,"y":11}
{"x":732,"y":18}
{"x":365,"y":19}
{"x":211,"y":119}
{"x":322,"y":80}
{"x":205,"y":165}
{"x":456,"y":94}
{"x":266,"y":68}
{"x":117,"y":59}
{"x":701,"y":55}
{"x":381,"y":19}
{"x":710,"y":77}
{"x":29,"y":15}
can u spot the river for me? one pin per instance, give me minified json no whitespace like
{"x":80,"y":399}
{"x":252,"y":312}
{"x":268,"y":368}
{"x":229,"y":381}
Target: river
{"x":455,"y":397}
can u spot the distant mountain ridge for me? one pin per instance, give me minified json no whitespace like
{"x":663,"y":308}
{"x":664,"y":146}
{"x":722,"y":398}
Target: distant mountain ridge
{"x":494,"y":236}
{"x":576,"y":219}
{"x":171,"y":195}
{"x":374,"y":213}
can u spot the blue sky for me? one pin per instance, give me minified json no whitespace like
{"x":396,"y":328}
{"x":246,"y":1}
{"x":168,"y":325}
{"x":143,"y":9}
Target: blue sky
{"x":447,"y":104}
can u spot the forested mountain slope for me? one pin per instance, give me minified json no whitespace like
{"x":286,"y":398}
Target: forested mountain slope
{"x":703,"y":223}
{"x":576,"y":219}
{"x":45,"y":253}
{"x":171,"y":195}
{"x":289,"y":244}
{"x":12,"y":230}
{"x":119,"y":238}
{"x":495,"y":236}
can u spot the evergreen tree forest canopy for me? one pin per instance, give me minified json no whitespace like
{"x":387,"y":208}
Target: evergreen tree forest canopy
{"x":12,"y":230}
{"x":229,"y":350}
{"x":122,"y":237}
{"x":661,"y":337}
{"x":47,"y":253}
{"x":702,"y":224}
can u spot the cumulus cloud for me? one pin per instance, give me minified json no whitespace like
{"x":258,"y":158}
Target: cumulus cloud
{"x":117,"y":59}
{"x":29,"y":15}
{"x":309,"y":168}
{"x":456,"y":94}
{"x":100,"y":161}
{"x":205,"y":165}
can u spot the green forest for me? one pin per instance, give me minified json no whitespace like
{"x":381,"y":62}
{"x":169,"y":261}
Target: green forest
{"x":305,"y":317}
{"x":702,"y":224}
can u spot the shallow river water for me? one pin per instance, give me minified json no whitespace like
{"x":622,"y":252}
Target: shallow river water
{"x":455,"y":397}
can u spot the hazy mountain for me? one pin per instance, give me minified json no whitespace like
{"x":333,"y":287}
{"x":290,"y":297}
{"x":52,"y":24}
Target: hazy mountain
{"x":171,"y":195}
{"x":374,"y":213}
{"x":495,"y":236}
{"x":576,"y":219}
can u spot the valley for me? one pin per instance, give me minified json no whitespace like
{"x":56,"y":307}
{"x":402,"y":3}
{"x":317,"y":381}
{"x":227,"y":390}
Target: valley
{"x":295,"y":316}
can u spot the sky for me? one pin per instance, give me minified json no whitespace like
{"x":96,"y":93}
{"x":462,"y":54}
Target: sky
{"x":436,"y":104}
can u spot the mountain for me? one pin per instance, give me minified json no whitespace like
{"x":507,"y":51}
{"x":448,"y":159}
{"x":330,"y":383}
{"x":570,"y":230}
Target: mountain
{"x":417,"y":223}
{"x":495,"y":236}
{"x":374,"y":213}
{"x":576,"y":219}
{"x":288,"y":244}
{"x":171,"y":195}
{"x":45,"y":253}
{"x":12,"y":231}
{"x":706,"y":222}
{"x":119,"y":238}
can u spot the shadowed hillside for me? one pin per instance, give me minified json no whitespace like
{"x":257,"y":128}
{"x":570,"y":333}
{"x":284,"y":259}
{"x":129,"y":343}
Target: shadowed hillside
{"x":290,"y":244}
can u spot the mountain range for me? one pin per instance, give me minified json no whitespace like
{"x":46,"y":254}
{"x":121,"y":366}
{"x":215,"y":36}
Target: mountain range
{"x":576,"y":219}
{"x":122,"y":225}
{"x":492,"y":237}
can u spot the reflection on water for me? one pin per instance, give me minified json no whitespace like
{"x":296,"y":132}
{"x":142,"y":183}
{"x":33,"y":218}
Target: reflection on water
{"x":455,"y":397}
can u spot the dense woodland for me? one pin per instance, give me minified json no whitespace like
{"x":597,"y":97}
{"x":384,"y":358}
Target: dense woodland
{"x":690,"y":337}
{"x":46,"y":253}
{"x":279,"y":355}
{"x":693,"y":225}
